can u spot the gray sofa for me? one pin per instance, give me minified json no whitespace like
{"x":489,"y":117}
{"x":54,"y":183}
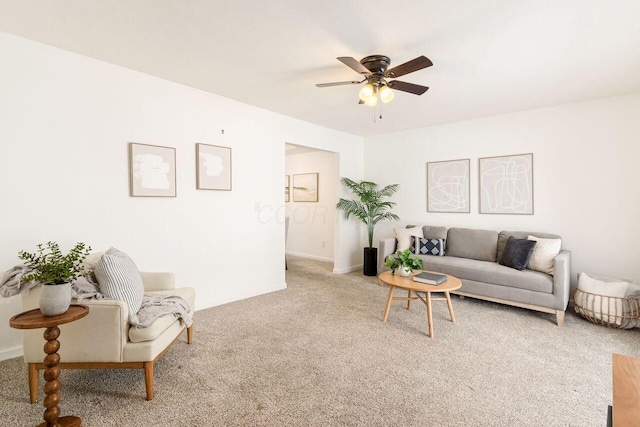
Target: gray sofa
{"x":472,"y":256}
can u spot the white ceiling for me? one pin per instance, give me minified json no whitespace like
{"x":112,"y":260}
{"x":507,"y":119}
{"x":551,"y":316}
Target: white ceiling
{"x":490,"y":57}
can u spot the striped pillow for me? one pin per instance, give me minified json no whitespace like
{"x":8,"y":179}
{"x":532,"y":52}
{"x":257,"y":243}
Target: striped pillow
{"x":119,"y":279}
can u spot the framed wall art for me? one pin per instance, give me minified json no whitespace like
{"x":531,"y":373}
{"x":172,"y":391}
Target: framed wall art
{"x":213,"y":167}
{"x":448,"y":186}
{"x":305,"y":187}
{"x":152,"y":170}
{"x":506,"y":184}
{"x":286,"y":188}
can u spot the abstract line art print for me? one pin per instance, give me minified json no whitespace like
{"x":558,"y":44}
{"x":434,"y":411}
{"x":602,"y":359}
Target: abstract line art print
{"x":448,"y":186}
{"x":506,"y":184}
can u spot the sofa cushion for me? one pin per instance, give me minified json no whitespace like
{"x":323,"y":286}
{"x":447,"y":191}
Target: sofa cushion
{"x":473,"y":244}
{"x":544,"y":253}
{"x":432,"y":232}
{"x":161,"y":324}
{"x":423,"y":246}
{"x":153,"y":331}
{"x":489,"y":272}
{"x":119,"y":279}
{"x":403,"y":235}
{"x":517,"y":252}
{"x":504,"y":236}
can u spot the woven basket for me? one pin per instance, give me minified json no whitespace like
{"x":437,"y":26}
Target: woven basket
{"x":612,"y":312}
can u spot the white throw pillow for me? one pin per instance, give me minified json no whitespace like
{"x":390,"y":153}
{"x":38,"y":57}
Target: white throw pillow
{"x":119,"y":279}
{"x":403,"y":235}
{"x":543,"y":254}
{"x":606,"y":309}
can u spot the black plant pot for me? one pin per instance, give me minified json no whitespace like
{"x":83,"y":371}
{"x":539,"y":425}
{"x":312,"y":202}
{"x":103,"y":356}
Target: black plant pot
{"x":370,"y":267}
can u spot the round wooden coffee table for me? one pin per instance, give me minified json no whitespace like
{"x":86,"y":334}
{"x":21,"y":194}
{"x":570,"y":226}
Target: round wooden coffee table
{"x":396,"y":281}
{"x":34,"y":319}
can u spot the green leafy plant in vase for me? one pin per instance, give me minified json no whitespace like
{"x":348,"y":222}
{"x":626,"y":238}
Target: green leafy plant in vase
{"x":403,"y":262}
{"x":55,"y":271}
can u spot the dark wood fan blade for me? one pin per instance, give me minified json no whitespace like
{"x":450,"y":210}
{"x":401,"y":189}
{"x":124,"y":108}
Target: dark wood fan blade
{"x":409,"y":67}
{"x":352,"y":82}
{"x":361,"y":102}
{"x":354,"y":64}
{"x":408,"y":87}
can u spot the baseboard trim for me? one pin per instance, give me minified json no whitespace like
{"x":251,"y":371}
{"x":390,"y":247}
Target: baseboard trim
{"x":314,"y":257}
{"x":226,"y":299}
{"x":347,"y":269}
{"x":11,"y":352}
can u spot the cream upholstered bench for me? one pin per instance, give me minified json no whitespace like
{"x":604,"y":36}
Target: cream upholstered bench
{"x":104,"y":339}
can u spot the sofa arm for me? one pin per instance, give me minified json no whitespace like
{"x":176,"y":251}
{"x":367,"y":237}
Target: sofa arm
{"x":158,"y":281}
{"x":98,"y":337}
{"x":562,"y":279}
{"x":387,"y":247}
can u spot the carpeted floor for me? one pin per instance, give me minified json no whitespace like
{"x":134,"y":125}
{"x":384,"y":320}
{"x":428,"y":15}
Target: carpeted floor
{"x":317,"y":354}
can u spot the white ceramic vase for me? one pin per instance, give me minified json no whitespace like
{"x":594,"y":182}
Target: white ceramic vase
{"x":55,"y":299}
{"x":404,"y":271}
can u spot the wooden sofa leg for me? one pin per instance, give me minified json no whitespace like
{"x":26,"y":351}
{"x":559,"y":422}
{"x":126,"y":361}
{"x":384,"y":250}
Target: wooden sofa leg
{"x":190,"y":334}
{"x":33,"y":382}
{"x":559,"y":317}
{"x":148,"y":379}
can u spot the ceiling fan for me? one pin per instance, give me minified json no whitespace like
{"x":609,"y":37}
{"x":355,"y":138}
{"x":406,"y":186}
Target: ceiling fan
{"x":376,"y":71}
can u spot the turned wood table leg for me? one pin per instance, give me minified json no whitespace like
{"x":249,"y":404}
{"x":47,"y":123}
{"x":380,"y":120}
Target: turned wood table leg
{"x":409,"y":300}
{"x":51,"y":374}
{"x":52,"y":385}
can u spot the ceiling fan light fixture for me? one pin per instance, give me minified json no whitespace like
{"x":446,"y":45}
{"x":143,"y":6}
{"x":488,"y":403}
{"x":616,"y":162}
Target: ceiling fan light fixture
{"x":386,"y":94}
{"x":366,"y":92}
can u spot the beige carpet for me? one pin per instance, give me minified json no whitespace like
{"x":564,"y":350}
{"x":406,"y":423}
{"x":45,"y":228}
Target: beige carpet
{"x":317,"y":354}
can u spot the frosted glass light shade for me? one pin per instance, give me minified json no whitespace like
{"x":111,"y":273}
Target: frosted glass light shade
{"x":366,"y":92}
{"x":386,"y":94}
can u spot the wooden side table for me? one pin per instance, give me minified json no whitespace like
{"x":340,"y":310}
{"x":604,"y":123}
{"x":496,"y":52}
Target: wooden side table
{"x":34,"y":319}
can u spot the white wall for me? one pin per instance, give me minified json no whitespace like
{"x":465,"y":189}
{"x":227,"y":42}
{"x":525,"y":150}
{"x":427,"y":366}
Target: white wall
{"x":586,"y":176}
{"x":65,"y":121}
{"x":311,"y":224}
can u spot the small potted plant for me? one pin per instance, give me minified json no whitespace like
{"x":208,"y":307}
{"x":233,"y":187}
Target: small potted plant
{"x":55,"y":271}
{"x":403,"y":262}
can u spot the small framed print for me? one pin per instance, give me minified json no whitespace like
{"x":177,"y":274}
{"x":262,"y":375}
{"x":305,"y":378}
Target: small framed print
{"x":448,"y":186}
{"x":213,"y":167}
{"x":286,"y":188}
{"x":305,"y":187}
{"x":506,"y":184}
{"x":152,"y":170}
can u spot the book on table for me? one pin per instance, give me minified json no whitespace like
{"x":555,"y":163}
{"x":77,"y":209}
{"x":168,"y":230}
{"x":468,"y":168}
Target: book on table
{"x":430,"y":278}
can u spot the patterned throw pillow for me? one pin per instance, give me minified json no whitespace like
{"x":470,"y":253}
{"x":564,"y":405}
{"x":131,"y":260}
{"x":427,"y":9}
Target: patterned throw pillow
{"x":422,"y":246}
{"x":119,"y":279}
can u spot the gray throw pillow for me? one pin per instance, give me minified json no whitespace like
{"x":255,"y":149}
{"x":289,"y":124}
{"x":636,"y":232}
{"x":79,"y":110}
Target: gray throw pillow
{"x":119,"y":279}
{"x":517,"y":252}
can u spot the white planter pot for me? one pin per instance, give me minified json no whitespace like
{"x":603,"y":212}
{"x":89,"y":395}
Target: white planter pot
{"x":55,"y":299}
{"x":404,"y":271}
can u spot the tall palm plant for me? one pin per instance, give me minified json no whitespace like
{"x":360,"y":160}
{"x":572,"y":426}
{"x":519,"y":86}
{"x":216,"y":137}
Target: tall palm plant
{"x":371,"y":208}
